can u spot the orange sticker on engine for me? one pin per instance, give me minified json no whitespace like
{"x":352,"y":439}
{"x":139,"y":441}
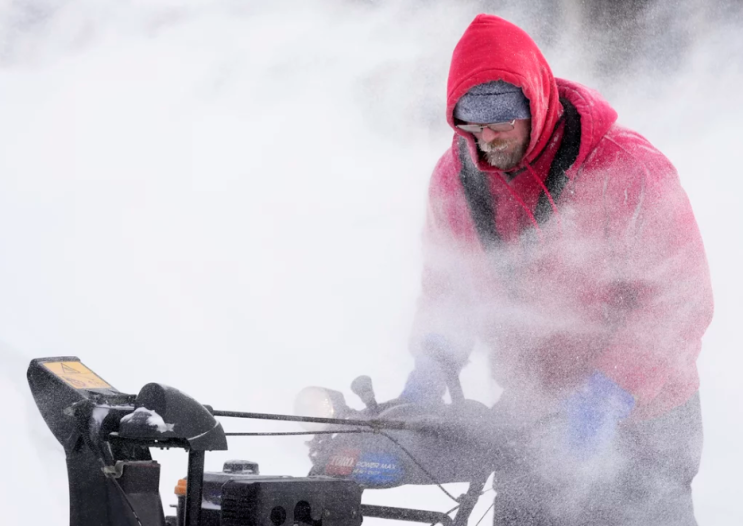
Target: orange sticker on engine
{"x":77,"y":375}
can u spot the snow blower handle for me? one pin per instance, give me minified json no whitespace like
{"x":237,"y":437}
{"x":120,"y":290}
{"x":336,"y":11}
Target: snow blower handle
{"x":437,"y":368}
{"x":363,"y":388}
{"x":442,"y":351}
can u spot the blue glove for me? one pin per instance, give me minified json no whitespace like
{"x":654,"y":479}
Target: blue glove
{"x":593,"y":414}
{"x":426,"y":383}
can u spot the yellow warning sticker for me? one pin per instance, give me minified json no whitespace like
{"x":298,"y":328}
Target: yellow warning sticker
{"x":77,"y":375}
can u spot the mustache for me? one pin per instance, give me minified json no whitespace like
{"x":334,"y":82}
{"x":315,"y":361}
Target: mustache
{"x":496,"y":145}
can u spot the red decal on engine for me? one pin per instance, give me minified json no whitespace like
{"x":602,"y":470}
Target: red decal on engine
{"x":342,"y":463}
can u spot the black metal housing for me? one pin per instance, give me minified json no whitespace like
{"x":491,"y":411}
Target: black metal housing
{"x":79,"y":418}
{"x":285,"y":501}
{"x":185,"y":418}
{"x":106,"y":435}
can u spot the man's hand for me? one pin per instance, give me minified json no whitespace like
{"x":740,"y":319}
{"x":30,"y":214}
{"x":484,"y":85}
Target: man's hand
{"x":593,"y":413}
{"x":426,"y":383}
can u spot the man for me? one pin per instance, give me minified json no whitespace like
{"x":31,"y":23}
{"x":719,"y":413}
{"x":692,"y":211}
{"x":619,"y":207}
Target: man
{"x":564,"y":243}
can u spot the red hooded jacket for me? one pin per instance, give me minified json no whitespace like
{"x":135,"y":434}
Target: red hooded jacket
{"x":616,"y":280}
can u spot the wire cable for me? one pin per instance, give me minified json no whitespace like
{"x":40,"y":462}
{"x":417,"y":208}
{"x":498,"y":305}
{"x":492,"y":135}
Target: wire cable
{"x":374,"y":424}
{"x":448,"y":513}
{"x":300,"y":433}
{"x":420,"y":466}
{"x":486,"y":512}
{"x":455,"y":508}
{"x":126,"y":499}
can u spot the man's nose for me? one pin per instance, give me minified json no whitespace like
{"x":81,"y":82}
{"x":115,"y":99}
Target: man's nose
{"x":489,"y":135}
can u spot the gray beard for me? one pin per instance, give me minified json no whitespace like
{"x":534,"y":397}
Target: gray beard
{"x":500,"y":155}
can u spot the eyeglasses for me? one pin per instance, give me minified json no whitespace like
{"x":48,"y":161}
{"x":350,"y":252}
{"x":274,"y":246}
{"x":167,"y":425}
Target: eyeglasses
{"x":495,"y":126}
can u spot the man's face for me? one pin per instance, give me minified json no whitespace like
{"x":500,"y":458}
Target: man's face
{"x":504,"y":149}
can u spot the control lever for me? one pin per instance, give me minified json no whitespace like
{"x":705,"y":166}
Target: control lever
{"x":455,"y":387}
{"x":438,"y":347}
{"x":362,"y":387}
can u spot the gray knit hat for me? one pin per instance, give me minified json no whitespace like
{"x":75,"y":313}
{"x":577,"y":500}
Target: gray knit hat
{"x":496,"y":101}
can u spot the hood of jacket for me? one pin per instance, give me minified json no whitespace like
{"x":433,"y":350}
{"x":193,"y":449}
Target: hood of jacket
{"x":492,"y":48}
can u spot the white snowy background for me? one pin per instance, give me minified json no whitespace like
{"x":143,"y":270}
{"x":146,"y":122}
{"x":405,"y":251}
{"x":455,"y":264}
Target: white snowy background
{"x":227,"y":197}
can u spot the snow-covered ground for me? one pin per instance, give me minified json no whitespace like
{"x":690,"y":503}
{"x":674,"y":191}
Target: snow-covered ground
{"x":227,"y":196}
